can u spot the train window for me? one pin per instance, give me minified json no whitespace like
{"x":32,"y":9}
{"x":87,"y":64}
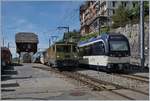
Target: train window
{"x":81,"y":52}
{"x":59,"y":49}
{"x":67,"y":48}
{"x":87,"y":50}
{"x":53,"y":48}
{"x":116,"y":45}
{"x":63,"y":48}
{"x":98,"y":48}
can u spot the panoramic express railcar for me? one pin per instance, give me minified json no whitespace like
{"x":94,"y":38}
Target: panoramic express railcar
{"x":62,"y":55}
{"x":109,"y":51}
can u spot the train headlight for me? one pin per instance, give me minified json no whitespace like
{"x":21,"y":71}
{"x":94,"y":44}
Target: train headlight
{"x":75,"y":56}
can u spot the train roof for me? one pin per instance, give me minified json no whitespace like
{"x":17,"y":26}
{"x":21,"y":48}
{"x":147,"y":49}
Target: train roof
{"x":26,"y":37}
{"x":61,"y":43}
{"x":65,"y":43}
{"x":4,"y":48}
{"x":103,"y":36}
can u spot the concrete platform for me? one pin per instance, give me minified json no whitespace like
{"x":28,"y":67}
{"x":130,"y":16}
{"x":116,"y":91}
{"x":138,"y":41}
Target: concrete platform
{"x":36,"y":84}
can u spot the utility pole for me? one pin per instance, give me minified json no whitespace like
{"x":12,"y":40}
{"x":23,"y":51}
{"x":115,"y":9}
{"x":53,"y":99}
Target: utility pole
{"x":99,"y":21}
{"x":8,"y":44}
{"x":3,"y":42}
{"x":49,"y":42}
{"x":142,"y":34}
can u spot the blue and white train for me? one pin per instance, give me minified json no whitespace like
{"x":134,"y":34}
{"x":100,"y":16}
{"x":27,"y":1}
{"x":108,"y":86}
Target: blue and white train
{"x":109,"y":51}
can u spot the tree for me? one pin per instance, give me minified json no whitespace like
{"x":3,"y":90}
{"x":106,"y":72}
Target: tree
{"x":73,"y":36}
{"x":146,"y":8}
{"x":120,"y":18}
{"x":134,"y":13}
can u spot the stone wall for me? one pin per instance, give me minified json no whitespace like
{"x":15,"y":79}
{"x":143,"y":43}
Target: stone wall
{"x":132,"y":32}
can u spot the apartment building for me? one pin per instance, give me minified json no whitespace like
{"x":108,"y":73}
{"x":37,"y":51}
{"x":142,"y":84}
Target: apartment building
{"x":97,"y":14}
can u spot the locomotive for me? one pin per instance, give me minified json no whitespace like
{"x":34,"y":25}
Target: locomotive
{"x":62,"y":55}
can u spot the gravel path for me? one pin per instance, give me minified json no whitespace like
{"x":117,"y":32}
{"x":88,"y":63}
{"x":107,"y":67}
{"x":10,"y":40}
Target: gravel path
{"x":136,"y":84}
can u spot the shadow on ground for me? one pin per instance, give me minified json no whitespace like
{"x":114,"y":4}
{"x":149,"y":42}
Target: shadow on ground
{"x":8,"y":90}
{"x":137,"y":69}
{"x":132,"y":70}
{"x":17,"y":64}
{"x":10,"y":85}
{"x":7,"y":73}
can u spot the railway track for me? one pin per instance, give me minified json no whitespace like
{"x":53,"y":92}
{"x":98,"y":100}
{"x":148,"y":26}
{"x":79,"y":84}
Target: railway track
{"x":145,"y":77}
{"x":96,"y":84}
{"x":107,"y":84}
{"x":135,"y":77}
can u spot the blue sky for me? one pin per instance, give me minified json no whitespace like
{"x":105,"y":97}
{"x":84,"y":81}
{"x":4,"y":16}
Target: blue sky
{"x":40,"y":17}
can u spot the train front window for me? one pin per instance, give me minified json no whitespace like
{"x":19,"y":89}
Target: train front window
{"x":63,"y":48}
{"x":118,"y":45}
{"x":98,"y":48}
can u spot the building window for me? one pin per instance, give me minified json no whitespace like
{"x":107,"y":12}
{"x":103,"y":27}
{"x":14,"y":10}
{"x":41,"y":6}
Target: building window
{"x":113,"y":3}
{"x":125,"y":4}
{"x":133,"y":4}
{"x":113,"y":11}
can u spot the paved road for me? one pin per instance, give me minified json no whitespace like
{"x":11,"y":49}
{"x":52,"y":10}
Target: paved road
{"x":25,"y":82}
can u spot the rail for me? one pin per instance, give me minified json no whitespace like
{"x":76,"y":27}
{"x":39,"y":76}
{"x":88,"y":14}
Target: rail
{"x":134,"y":77}
{"x":94,"y":83}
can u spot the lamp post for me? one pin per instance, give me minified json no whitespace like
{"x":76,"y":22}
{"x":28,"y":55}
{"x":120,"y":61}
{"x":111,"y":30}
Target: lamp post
{"x":99,"y":21}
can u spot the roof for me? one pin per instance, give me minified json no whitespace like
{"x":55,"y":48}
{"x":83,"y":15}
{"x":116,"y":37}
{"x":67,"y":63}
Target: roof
{"x":26,"y":37}
{"x":103,"y":37}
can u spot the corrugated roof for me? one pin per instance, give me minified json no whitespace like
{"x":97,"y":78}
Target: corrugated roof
{"x":26,"y":37}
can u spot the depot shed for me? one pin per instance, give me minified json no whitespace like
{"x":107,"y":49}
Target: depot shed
{"x":26,"y":42}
